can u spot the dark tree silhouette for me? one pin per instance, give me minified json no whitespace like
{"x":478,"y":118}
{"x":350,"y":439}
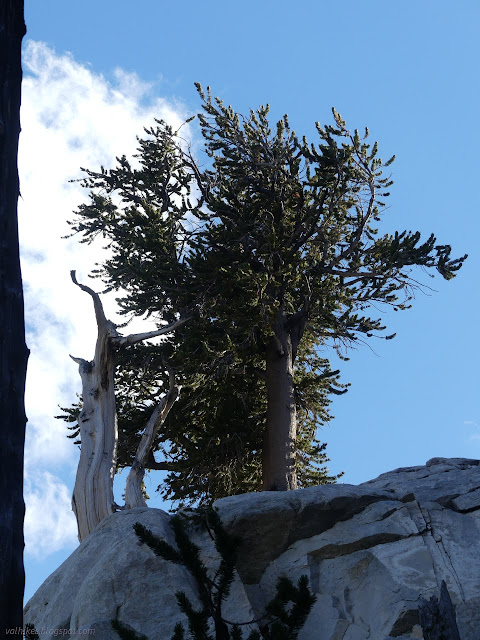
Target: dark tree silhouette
{"x":13,"y":351}
{"x":437,"y":617}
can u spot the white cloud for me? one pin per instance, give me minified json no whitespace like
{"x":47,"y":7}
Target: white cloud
{"x":49,"y":522}
{"x":71,"y":117}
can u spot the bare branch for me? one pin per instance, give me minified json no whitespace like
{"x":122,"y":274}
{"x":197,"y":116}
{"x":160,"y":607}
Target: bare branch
{"x":152,"y":464}
{"x":99,"y":313}
{"x":133,"y":491}
{"x":190,"y":162}
{"x":139,"y":337}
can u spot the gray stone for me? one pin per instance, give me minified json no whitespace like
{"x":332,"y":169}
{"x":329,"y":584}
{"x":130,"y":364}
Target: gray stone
{"x":110,"y":574}
{"x":467,"y":502}
{"x":370,"y":552}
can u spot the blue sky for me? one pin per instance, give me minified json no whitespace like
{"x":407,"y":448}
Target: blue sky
{"x":407,"y":70}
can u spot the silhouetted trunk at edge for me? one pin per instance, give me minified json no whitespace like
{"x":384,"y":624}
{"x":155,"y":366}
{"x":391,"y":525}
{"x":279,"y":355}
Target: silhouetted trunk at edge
{"x":281,"y":429}
{"x":13,"y":351}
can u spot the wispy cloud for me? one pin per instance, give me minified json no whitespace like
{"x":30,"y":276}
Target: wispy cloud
{"x":71,"y":118}
{"x":49,"y":522}
{"x":473,"y":426}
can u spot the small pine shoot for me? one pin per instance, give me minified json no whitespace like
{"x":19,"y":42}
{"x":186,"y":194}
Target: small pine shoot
{"x":285,"y":614}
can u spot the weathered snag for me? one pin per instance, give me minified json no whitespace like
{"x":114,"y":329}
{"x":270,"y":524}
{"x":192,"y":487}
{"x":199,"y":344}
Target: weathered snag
{"x":93,"y":498}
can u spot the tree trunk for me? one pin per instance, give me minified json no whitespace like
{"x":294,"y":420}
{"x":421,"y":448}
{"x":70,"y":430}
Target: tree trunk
{"x":93,"y":498}
{"x":281,"y":429}
{"x":13,"y":351}
{"x":133,"y":488}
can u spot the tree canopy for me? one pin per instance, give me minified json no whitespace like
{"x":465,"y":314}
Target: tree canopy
{"x":274,"y":254}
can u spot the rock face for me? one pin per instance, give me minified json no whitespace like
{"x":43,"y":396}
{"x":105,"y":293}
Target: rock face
{"x":370,"y":552}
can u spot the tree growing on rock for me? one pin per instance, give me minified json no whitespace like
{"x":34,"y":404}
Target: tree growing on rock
{"x":213,"y":437}
{"x":284,"y":615}
{"x":274,"y":251}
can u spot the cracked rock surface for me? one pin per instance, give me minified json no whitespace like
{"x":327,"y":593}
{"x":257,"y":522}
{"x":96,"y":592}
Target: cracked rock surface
{"x":370,"y":552}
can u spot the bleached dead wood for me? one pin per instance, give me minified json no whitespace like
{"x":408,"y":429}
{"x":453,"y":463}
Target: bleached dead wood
{"x":93,"y":498}
{"x":133,"y":489}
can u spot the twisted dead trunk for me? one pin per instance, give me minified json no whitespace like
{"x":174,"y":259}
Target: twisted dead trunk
{"x":133,"y":488}
{"x":93,"y":498}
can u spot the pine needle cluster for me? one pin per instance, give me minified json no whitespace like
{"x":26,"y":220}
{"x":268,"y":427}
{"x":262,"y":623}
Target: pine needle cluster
{"x":284,"y":615}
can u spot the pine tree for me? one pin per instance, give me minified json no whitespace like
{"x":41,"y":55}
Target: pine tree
{"x":280,"y":622}
{"x":274,"y":252}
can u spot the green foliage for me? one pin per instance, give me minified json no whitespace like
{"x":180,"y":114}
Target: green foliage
{"x":281,"y":621}
{"x":179,"y":632}
{"x":289,"y":621}
{"x":275,"y":230}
